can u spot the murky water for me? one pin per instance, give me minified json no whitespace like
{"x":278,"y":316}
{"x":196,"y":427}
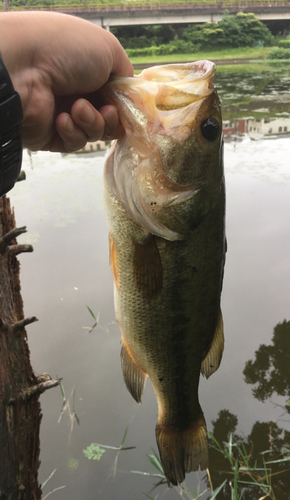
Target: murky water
{"x":61,"y":204}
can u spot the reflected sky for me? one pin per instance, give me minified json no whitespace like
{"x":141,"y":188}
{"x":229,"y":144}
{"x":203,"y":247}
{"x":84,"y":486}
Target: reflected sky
{"x":61,"y":205}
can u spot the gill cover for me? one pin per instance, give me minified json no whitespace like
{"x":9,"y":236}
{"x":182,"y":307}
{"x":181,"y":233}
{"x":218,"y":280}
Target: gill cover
{"x":157,"y":106}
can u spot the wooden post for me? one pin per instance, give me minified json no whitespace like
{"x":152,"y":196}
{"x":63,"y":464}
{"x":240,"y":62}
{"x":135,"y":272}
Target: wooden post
{"x":20,"y":413}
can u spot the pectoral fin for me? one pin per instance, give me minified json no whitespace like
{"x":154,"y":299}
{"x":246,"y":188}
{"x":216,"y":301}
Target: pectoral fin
{"x":134,"y":377}
{"x":147,"y":267}
{"x":214,"y":354}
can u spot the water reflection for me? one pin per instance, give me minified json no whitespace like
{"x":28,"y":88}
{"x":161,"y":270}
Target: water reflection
{"x":271,"y":368}
{"x":263,"y":445}
{"x":256,"y":128}
{"x":256,"y":103}
{"x":267,"y":441}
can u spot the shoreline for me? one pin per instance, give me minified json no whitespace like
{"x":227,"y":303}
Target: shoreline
{"x":218,"y":62}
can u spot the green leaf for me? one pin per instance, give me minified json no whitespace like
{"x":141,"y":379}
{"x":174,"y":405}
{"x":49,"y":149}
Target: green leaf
{"x":62,"y":392}
{"x":236,"y":479}
{"x":216,"y":492}
{"x":89,"y":309}
{"x":124,"y":437}
{"x":94,"y":452}
{"x":154,"y":460}
{"x":285,"y":459}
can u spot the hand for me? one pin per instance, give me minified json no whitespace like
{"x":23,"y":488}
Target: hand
{"x":58,"y":63}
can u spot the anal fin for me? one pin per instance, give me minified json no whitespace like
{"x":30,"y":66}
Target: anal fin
{"x":214,"y":354}
{"x":134,"y":377}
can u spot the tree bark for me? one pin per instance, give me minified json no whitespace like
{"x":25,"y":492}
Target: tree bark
{"x":20,"y":413}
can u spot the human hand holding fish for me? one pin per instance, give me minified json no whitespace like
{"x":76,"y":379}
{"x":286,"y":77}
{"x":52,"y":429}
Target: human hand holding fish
{"x":164,"y":197}
{"x":57,"y":63}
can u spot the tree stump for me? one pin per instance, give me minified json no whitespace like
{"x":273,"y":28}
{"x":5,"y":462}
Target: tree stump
{"x":20,"y":413}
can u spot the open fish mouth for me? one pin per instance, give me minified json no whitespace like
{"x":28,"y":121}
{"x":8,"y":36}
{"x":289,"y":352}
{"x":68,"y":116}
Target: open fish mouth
{"x":160,"y":110}
{"x":158,"y":93}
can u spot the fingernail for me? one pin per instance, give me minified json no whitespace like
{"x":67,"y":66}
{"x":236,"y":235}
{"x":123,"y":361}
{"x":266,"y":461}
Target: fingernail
{"x":86,"y":113}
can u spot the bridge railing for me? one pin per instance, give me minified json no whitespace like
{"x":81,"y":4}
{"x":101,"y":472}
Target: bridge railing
{"x":160,"y":5}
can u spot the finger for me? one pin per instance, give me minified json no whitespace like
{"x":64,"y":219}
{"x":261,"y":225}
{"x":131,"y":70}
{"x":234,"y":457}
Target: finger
{"x":73,"y":137}
{"x":88,"y":119}
{"x":113,"y":126}
{"x":121,"y":65}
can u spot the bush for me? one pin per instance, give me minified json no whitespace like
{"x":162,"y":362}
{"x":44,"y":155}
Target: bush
{"x":242,"y":30}
{"x":285,"y":44}
{"x":138,"y":37}
{"x":174,"y":47}
{"x":279,"y":53}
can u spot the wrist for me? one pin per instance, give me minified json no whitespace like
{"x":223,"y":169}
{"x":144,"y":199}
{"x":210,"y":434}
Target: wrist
{"x":10,"y":132}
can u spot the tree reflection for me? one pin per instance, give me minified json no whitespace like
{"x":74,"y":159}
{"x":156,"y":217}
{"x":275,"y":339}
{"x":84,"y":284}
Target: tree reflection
{"x":264,"y":444}
{"x":270,"y":371}
{"x":271,"y":368}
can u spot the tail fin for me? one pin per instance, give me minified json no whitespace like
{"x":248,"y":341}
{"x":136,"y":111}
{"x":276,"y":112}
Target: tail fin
{"x":182,"y":451}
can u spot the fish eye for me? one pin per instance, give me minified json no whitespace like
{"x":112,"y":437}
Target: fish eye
{"x":210,"y":129}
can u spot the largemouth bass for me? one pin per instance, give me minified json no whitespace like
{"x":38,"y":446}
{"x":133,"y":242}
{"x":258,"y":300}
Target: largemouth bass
{"x":165,"y":202}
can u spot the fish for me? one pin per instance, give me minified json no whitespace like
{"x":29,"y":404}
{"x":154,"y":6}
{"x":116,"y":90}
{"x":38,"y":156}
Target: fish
{"x":164,"y":198}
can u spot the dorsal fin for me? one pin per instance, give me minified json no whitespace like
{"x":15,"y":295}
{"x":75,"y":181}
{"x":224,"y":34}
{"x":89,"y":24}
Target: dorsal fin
{"x":214,"y":354}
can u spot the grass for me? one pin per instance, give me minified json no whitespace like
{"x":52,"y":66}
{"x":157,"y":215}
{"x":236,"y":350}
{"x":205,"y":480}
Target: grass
{"x":51,"y":491}
{"x":66,"y":408}
{"x":182,"y":489}
{"x":96,"y":321}
{"x":243,"y":473}
{"x":238,"y":53}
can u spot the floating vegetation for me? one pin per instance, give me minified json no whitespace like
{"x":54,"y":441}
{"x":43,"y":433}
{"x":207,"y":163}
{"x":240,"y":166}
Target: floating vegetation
{"x":94,"y":452}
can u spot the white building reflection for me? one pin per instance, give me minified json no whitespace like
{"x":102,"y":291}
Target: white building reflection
{"x":256,"y":128}
{"x":266,"y":127}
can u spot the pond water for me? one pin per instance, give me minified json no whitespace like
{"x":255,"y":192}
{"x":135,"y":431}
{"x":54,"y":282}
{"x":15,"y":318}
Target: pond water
{"x":61,"y":205}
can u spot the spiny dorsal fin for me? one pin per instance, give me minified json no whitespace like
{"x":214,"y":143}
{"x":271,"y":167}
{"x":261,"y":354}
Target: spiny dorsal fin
{"x":213,"y":356}
{"x":147,"y":267}
{"x":134,"y":377}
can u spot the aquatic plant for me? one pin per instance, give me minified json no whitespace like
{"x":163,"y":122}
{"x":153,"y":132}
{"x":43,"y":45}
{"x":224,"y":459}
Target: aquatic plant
{"x":96,"y":450}
{"x":247,"y":476}
{"x":66,"y":407}
{"x":51,"y":491}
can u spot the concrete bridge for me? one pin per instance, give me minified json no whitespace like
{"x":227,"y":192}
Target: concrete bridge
{"x":129,"y":14}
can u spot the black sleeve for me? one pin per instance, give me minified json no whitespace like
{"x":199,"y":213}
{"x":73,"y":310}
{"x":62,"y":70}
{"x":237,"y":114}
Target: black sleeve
{"x":10,"y":132}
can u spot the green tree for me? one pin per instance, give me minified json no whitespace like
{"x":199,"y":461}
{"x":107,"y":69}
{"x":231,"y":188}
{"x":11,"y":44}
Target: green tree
{"x":241,"y":30}
{"x":138,"y":37}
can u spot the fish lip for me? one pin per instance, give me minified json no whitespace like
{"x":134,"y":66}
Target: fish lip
{"x":184,"y":78}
